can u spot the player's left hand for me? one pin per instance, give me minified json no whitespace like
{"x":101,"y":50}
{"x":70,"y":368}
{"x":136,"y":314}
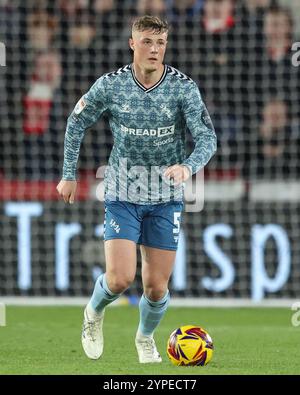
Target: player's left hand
{"x":179,"y":173}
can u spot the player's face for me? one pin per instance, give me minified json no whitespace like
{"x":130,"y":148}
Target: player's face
{"x":149,"y":48}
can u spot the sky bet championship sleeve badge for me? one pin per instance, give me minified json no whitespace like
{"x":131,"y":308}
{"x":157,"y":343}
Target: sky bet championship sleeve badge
{"x":79,"y":106}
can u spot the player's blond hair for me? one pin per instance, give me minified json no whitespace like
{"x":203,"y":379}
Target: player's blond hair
{"x":152,"y":23}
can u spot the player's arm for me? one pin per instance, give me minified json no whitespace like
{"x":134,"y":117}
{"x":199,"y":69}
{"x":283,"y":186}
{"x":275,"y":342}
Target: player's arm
{"x":86,"y":112}
{"x":200,"y":125}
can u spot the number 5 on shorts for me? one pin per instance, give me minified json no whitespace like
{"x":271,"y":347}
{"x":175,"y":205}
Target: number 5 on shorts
{"x":177,"y":222}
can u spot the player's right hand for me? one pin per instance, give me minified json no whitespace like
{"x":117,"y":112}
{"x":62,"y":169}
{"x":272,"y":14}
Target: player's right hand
{"x":67,"y":190}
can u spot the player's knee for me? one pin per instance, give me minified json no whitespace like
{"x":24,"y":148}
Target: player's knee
{"x":119,"y":284}
{"x":155,"y":293}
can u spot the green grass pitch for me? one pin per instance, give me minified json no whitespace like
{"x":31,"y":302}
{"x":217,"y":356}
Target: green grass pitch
{"x":46,"y":340}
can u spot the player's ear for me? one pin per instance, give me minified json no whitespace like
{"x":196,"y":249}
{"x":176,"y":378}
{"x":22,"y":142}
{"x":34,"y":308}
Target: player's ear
{"x":131,"y":44}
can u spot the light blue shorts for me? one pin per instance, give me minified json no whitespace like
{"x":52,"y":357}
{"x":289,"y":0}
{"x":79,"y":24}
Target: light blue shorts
{"x":155,"y":225}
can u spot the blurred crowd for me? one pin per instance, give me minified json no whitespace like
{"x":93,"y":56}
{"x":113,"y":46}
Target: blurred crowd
{"x":239,"y":53}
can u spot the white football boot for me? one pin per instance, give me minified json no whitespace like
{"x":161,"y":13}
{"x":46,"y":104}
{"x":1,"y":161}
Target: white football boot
{"x":92,"y":334}
{"x":146,"y":349}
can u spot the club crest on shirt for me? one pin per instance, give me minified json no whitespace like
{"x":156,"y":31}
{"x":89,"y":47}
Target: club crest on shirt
{"x":166,"y":111}
{"x":79,"y":106}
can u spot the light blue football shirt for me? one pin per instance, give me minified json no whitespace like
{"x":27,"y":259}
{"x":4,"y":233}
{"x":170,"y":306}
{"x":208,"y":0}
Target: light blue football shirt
{"x":149,"y":128}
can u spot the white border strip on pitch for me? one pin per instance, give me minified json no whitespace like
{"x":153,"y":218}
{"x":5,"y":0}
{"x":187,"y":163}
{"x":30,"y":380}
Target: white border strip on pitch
{"x":175,"y":302}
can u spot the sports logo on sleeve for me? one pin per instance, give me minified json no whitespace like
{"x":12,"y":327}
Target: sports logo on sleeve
{"x":206,"y":119}
{"x":80,"y":106}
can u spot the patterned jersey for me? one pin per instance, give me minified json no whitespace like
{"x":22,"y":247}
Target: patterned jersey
{"x":149,"y":129}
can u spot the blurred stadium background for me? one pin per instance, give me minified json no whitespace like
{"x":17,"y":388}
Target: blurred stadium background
{"x":244,"y":245}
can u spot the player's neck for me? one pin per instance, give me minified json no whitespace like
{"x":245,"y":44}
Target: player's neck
{"x":148,"y":78}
